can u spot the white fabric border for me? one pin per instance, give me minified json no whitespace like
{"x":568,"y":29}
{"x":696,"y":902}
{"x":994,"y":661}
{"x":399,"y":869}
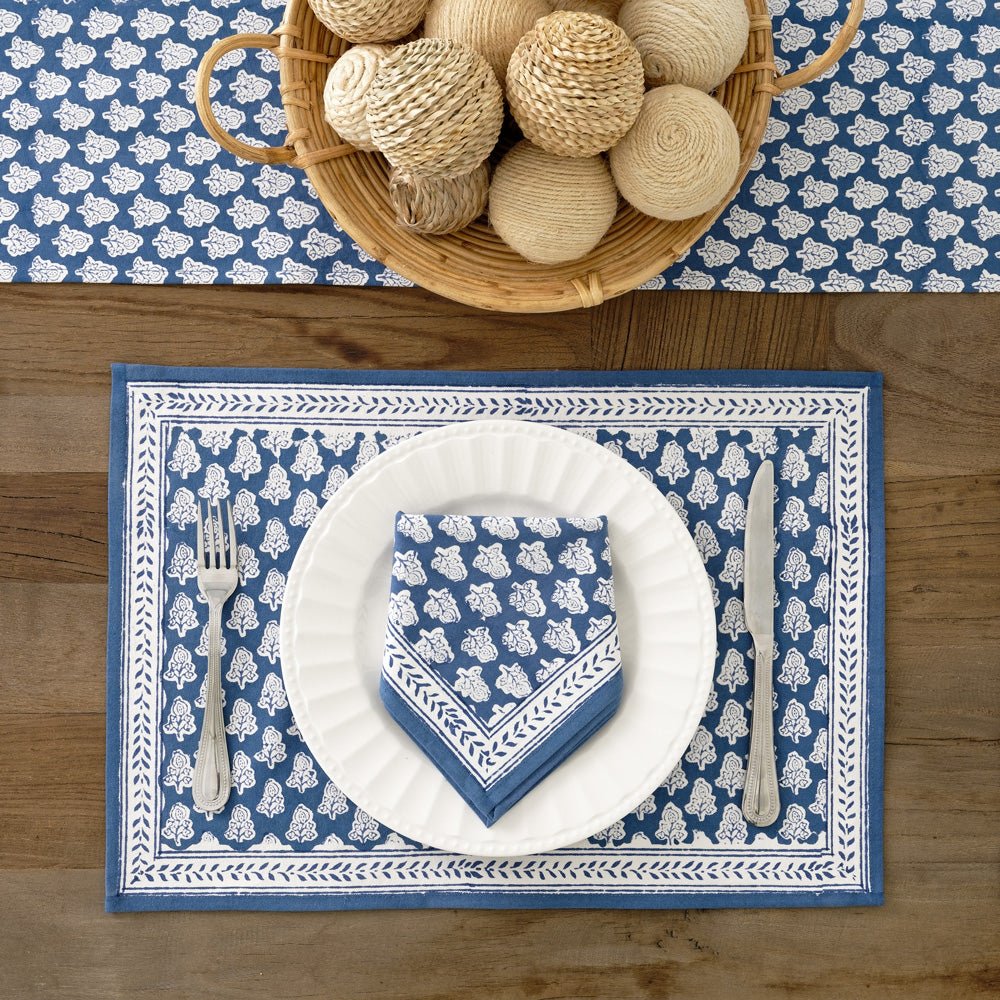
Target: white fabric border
{"x":841,"y":863}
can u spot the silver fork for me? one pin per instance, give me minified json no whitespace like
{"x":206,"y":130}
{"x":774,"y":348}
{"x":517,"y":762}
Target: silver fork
{"x":217,"y":576}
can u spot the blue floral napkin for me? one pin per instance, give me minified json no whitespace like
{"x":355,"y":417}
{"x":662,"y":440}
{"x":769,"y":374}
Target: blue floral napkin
{"x":501,"y":652}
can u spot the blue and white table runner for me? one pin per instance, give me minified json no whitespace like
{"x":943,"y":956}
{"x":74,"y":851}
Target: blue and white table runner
{"x":278,"y":443}
{"x":881,"y":176}
{"x":501,"y":647}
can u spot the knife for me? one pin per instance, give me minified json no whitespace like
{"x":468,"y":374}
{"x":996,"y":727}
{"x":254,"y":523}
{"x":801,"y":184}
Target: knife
{"x":760,"y":792}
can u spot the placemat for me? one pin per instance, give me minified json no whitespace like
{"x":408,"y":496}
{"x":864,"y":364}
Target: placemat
{"x":277,"y":444}
{"x":880,"y":176}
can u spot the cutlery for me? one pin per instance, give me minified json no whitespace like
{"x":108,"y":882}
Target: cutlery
{"x":217,"y":576}
{"x":760,"y":793}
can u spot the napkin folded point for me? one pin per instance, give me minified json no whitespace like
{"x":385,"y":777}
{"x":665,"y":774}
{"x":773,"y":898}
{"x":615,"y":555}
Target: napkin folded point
{"x":502,"y":654}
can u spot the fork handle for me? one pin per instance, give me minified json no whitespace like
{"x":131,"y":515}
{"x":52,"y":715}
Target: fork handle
{"x":212,"y":777}
{"x":761,"y":803}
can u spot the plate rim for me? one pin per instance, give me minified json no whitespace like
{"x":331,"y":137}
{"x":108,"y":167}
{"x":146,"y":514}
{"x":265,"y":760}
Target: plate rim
{"x":288,"y":631}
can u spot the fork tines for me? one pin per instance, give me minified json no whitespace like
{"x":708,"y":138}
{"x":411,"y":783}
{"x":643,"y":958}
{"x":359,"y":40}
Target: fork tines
{"x":221,"y":549}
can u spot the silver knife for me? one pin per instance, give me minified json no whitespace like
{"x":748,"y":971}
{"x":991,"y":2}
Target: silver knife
{"x":760,"y":791}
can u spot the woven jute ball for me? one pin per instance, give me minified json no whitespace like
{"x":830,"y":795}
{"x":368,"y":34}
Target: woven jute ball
{"x":575,"y":83}
{"x":551,"y":209}
{"x":694,"y":42}
{"x":681,"y":157}
{"x":435,"y":108}
{"x":605,"y":8}
{"x":369,"y":20}
{"x":345,"y":96}
{"x":491,"y":27}
{"x":437,"y":206}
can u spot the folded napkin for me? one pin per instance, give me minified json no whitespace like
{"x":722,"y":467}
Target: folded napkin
{"x":501,"y":651}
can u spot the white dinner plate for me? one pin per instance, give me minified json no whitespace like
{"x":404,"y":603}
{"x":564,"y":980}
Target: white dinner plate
{"x":333,"y":628}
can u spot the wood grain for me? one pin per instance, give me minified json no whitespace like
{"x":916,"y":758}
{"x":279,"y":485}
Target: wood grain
{"x":938,"y":936}
{"x":65,"y":947}
{"x":942,"y":369}
{"x":53,"y":633}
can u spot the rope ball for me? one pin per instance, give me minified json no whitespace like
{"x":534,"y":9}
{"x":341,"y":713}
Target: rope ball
{"x":681,"y":157}
{"x":491,"y":27}
{"x":437,"y":206}
{"x":345,"y":96}
{"x":369,"y":20}
{"x":605,"y":8}
{"x":694,"y":42}
{"x":435,"y":108}
{"x":551,"y":209}
{"x":575,"y":83}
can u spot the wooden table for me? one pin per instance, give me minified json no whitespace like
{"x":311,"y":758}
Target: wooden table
{"x":937,"y":937}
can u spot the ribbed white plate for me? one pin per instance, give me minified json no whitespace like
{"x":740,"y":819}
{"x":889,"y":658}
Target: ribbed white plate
{"x":333,"y":620}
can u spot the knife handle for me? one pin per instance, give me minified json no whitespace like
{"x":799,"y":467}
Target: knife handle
{"x":761,"y":803}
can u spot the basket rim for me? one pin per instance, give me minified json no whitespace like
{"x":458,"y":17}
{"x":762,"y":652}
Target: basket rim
{"x":474,"y":267}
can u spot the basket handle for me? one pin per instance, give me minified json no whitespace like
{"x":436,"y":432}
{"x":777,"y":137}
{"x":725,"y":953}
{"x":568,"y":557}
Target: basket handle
{"x":837,"y":48}
{"x":203,"y":100}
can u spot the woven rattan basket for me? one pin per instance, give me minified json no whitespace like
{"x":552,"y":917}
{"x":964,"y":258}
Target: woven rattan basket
{"x":475,"y":266}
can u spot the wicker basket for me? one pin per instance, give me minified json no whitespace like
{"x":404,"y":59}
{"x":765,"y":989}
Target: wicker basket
{"x":475,"y":266}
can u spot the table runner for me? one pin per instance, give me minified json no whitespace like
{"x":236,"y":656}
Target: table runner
{"x":881,"y":176}
{"x":278,"y":443}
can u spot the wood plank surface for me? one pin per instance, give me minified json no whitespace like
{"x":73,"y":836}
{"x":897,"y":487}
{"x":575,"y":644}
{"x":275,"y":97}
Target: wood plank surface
{"x":520,"y":955}
{"x":937,"y":937}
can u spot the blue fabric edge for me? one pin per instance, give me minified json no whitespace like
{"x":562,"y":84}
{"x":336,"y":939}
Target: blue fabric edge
{"x":876,"y":636}
{"x":123,"y":374}
{"x":476,"y":899}
{"x":116,"y":497}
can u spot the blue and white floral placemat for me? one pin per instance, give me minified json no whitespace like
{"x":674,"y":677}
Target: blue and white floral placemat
{"x":278,"y":444}
{"x":881,"y":176}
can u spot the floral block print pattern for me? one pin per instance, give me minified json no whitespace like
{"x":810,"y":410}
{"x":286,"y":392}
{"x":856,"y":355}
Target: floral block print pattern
{"x":276,"y":482}
{"x":501,"y":651}
{"x":882,"y":175}
{"x":277,"y":453}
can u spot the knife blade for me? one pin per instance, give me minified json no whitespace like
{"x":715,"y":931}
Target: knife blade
{"x":761,"y":803}
{"x":758,"y":556}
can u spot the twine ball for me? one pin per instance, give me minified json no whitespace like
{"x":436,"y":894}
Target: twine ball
{"x":491,"y":27}
{"x":681,"y":157}
{"x":551,"y":209}
{"x":575,"y":83}
{"x":694,"y":42}
{"x":369,"y":20}
{"x":345,"y":96}
{"x":605,"y":8}
{"x":435,"y":108}
{"x":435,"y":206}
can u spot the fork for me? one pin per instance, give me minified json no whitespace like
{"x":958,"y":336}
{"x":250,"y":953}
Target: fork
{"x":217,"y":576}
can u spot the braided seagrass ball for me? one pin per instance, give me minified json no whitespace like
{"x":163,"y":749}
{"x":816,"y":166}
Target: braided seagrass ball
{"x":435,"y":108}
{"x":605,"y":8}
{"x":435,"y":206}
{"x":681,"y":157}
{"x":575,"y":83}
{"x":551,"y":209}
{"x":694,"y":42}
{"x":345,"y":96}
{"x":369,"y":20}
{"x":491,"y":27}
